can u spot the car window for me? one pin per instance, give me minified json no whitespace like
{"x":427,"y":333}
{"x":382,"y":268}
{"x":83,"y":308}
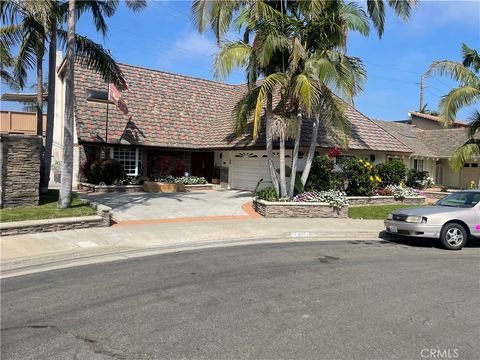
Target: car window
{"x":460,"y":199}
{"x":475,"y":199}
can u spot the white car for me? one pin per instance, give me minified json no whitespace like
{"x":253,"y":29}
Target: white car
{"x":453,"y":219}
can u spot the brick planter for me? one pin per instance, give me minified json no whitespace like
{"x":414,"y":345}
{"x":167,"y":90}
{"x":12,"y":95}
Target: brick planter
{"x":102,"y":219}
{"x":384,"y":200}
{"x":109,"y":188}
{"x":300,"y":210}
{"x":199,"y":187}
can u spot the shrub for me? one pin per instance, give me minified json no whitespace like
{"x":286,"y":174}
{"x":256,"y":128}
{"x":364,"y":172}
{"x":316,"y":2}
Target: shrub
{"x":336,"y":199}
{"x":392,"y":172}
{"x":320,"y":177}
{"x":360,"y":177}
{"x":106,"y":171}
{"x":186,"y":180}
{"x":418,"y":179}
{"x":267,"y":194}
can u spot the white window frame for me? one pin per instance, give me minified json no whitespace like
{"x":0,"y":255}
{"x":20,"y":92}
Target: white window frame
{"x":137,"y":161}
{"x":415,"y":163}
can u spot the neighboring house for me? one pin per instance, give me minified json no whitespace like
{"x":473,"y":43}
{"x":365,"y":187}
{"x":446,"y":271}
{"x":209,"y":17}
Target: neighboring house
{"x":431,"y":151}
{"x":189,"y":121}
{"x":428,"y":122}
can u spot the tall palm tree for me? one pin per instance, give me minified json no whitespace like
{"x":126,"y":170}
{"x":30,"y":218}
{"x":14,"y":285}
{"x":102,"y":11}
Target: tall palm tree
{"x":44,"y":20}
{"x":65,"y":196}
{"x":466,"y":94}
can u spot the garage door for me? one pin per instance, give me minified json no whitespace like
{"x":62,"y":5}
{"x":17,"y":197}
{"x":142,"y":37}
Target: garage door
{"x":246,"y":172}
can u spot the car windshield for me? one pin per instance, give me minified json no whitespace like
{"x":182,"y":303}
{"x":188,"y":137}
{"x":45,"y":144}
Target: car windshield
{"x":462,"y":199}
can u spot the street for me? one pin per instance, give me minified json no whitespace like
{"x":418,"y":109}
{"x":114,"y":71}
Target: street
{"x":312,"y":300}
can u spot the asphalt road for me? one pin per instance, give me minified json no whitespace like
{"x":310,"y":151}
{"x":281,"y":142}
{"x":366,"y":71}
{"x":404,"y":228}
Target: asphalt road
{"x":324,"y":300}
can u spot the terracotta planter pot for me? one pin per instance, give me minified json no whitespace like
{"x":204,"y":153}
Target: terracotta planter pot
{"x":154,"y":186}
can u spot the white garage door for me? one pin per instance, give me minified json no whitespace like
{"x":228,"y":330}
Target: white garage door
{"x":245,"y":173}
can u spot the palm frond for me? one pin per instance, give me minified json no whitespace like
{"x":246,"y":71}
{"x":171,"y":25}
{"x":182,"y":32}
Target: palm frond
{"x":464,"y":153}
{"x":457,"y":98}
{"x":470,"y":57}
{"x":231,"y":55}
{"x":297,"y":53}
{"x":306,"y":91}
{"x":376,"y":12}
{"x":455,"y":71}
{"x":200,"y":12}
{"x":402,"y":7}
{"x":332,"y":115}
{"x":267,"y":87}
{"x":244,"y":109}
{"x":355,"y":18}
{"x":136,"y":5}
{"x":96,"y":58}
{"x":474,"y":123}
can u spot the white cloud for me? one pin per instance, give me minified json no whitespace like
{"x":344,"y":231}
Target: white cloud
{"x":193,"y":48}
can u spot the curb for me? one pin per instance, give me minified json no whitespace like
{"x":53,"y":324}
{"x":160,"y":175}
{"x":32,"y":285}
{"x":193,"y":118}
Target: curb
{"x":24,"y":266}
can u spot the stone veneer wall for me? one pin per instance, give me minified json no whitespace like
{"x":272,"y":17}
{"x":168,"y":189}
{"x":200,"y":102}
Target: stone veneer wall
{"x":298,"y":210}
{"x":20,"y":170}
{"x":384,"y":200}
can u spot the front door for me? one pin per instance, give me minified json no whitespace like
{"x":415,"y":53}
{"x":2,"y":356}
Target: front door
{"x":202,"y":164}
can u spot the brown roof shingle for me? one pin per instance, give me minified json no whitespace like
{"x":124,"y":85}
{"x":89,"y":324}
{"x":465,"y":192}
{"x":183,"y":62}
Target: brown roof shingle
{"x":176,"y":111}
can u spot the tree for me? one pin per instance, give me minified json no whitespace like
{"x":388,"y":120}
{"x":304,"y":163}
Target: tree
{"x":466,"y":94}
{"x":44,"y":20}
{"x":334,"y":19}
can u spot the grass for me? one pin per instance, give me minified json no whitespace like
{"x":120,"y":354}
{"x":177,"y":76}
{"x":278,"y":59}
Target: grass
{"x":47,"y":209}
{"x":374,"y":212}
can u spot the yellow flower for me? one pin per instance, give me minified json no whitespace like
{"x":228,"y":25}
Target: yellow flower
{"x":378,"y":178}
{"x":371,"y":178}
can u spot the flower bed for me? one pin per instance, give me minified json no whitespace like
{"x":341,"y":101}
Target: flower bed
{"x":289,"y":209}
{"x":109,"y":188}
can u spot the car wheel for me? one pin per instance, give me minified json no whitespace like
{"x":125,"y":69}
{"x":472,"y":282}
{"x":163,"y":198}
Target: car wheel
{"x":454,"y":236}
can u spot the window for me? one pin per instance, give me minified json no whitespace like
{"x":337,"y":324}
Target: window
{"x":392,"y":158}
{"x":417,"y":164}
{"x":466,"y":165}
{"x":475,"y":165}
{"x":129,"y":157}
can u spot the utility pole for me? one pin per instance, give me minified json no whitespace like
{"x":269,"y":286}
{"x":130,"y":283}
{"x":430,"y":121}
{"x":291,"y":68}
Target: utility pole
{"x":422,"y":87}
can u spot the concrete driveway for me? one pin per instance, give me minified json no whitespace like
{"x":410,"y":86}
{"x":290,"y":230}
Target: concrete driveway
{"x":154,"y":206}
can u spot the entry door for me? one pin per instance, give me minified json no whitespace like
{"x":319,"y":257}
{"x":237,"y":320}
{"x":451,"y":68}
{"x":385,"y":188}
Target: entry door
{"x":202,"y":164}
{"x":439,"y":174}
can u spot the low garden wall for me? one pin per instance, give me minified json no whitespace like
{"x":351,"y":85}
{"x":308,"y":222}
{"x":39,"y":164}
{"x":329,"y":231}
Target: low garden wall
{"x":109,"y":188}
{"x":384,"y":200}
{"x":102,"y":219}
{"x":297,"y":209}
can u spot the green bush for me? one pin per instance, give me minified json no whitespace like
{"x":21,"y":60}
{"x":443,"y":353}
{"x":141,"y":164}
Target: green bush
{"x":267,"y":194}
{"x":360,"y":177}
{"x":320,"y":178}
{"x":418,"y":179}
{"x":391,"y":173}
{"x":107,"y":171}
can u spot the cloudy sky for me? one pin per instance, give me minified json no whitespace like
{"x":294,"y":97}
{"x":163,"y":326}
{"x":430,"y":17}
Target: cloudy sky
{"x":162,"y":37}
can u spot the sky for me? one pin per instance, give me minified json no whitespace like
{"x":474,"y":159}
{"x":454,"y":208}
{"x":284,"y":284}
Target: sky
{"x":163,"y":37}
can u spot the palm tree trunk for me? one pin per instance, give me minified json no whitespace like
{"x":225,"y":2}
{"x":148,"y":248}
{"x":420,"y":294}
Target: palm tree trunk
{"x":283,"y":182}
{"x":52,"y":62}
{"x":39,"y":102}
{"x":311,"y":150}
{"x":269,"y":141}
{"x":65,"y":197}
{"x":293,"y":175}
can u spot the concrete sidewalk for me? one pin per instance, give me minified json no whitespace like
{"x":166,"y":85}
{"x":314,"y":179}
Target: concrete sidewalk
{"x":73,"y":247}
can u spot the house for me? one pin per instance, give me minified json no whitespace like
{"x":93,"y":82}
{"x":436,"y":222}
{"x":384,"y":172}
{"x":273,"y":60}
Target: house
{"x":431,"y":151}
{"x":187,"y":122}
{"x":428,"y":122}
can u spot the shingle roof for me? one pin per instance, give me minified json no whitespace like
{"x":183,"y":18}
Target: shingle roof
{"x":428,"y":143}
{"x":434,"y":118}
{"x":176,"y":111}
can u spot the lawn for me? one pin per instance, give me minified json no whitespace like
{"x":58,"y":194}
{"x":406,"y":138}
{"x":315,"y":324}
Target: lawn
{"x":47,"y":209}
{"x":374,"y":212}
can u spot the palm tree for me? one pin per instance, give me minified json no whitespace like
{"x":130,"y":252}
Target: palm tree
{"x":46,"y":18}
{"x":466,"y":94}
{"x":65,"y":196}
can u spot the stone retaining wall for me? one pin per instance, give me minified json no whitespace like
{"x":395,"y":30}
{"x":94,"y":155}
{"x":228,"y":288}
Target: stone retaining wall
{"x":384,"y":200}
{"x":300,"y":210}
{"x":20,"y":170}
{"x":102,"y":219}
{"x":109,"y":188}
